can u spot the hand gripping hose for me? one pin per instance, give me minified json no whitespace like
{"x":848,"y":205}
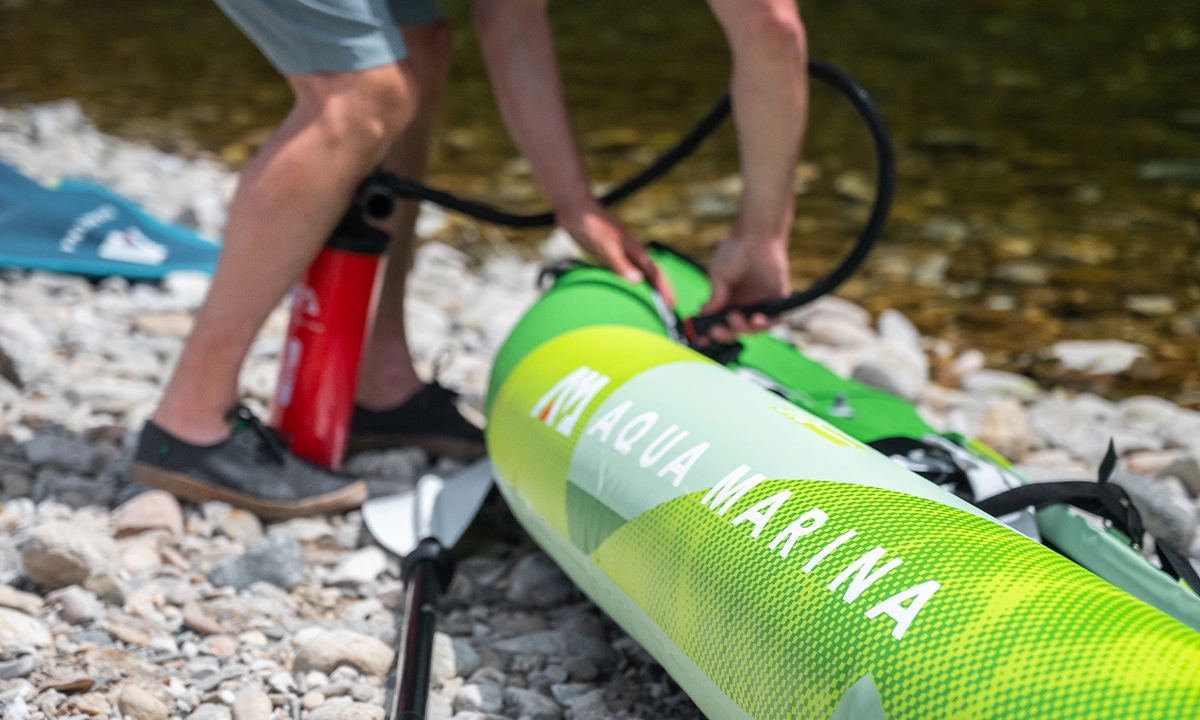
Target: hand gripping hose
{"x":378,"y":193}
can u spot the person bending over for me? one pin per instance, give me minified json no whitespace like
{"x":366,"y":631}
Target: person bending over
{"x":367,"y":76}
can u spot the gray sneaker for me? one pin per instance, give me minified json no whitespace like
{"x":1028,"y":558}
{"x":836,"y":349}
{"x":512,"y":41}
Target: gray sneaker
{"x":251,"y":469}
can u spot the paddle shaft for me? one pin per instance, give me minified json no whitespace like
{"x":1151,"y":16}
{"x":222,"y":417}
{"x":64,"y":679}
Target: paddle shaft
{"x":427,"y":572}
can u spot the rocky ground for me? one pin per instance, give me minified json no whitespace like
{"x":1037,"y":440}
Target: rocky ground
{"x":116,"y":602}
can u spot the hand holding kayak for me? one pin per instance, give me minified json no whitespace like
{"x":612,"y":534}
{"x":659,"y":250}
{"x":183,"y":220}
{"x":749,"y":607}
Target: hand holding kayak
{"x":746,"y":272}
{"x":610,"y":243}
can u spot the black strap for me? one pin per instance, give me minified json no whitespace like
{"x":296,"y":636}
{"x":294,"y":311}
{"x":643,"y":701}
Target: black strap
{"x":1108,"y":500}
{"x":1103,"y":498}
{"x":1177,"y":565}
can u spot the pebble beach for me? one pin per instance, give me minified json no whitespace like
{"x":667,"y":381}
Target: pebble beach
{"x":120,"y":603}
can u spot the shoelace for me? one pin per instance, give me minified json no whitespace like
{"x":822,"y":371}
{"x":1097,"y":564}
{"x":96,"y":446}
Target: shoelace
{"x":442,"y":362}
{"x":274,"y":444}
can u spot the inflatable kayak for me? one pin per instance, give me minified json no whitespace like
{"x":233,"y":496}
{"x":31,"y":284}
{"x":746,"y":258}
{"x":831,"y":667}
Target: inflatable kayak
{"x":757,"y":525}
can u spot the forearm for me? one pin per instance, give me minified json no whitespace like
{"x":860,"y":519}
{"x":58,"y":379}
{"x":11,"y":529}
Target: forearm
{"x":770,"y":108}
{"x":519,"y":52}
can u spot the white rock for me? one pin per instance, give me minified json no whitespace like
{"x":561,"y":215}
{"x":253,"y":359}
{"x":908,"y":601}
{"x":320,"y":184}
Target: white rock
{"x":1005,"y":429}
{"x":442,"y":667}
{"x":428,"y":327}
{"x":359,"y":567}
{"x":431,"y":220}
{"x":897,"y":330}
{"x":188,"y":288}
{"x":829,"y":306}
{"x":24,"y":347}
{"x":17,"y":627}
{"x":252,"y":704}
{"x":559,"y":246}
{"x":138,"y":704}
{"x":837,"y":331}
{"x":1184,"y":431}
{"x":110,"y":394}
{"x":1187,"y":469}
{"x":1151,"y":305}
{"x":1167,"y":511}
{"x":346,"y":709}
{"x":967,"y":364}
{"x":210,"y":711}
{"x":479,"y":697}
{"x":439,"y":276}
{"x":1098,"y":357}
{"x":57,"y":554}
{"x":895,"y":369}
{"x":335,"y":648}
{"x":1152,"y":463}
{"x":999,"y":382}
{"x":510,"y":272}
{"x":1147,"y":413}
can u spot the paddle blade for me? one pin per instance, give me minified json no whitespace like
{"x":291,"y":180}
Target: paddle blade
{"x":436,"y":507}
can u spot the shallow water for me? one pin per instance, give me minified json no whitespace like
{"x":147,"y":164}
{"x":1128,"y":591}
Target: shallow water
{"x":1033,"y":204}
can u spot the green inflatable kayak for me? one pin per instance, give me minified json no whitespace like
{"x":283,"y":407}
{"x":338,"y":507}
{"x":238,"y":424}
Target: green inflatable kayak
{"x":757,"y":525}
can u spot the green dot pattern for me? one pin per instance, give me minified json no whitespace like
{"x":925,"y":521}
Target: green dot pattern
{"x":1015,"y":631}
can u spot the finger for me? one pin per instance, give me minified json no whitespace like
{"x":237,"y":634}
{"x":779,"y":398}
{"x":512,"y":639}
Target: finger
{"x":657,"y":278}
{"x":738,"y":323}
{"x":718,"y":298}
{"x":760,"y":322}
{"x":615,"y":259}
{"x":722,"y":334}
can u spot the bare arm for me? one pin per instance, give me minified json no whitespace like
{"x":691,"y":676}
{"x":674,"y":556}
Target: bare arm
{"x":518,"y":49}
{"x":770,"y":108}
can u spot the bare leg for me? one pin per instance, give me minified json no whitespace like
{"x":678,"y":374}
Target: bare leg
{"x":289,"y":199}
{"x":387,"y":377}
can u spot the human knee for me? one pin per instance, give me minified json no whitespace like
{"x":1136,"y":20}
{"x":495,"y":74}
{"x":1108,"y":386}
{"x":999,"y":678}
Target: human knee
{"x":367,"y":109}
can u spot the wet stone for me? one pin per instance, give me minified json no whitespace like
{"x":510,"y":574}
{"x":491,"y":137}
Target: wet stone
{"x":536,"y":581}
{"x":17,"y":662}
{"x":151,"y":510}
{"x":529,"y":704}
{"x":252,"y":704}
{"x":21,"y":629}
{"x":138,"y":704}
{"x":78,"y":606}
{"x":278,"y":560}
{"x":211,"y":711}
{"x":346,"y":709}
{"x":27,"y":603}
{"x":329,"y":650}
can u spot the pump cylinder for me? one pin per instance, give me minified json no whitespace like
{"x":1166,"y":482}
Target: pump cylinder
{"x":332,"y":308}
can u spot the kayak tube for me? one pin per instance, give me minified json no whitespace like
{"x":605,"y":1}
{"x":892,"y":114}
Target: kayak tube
{"x":776,"y":564}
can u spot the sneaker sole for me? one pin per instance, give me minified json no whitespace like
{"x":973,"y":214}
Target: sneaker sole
{"x":188,"y":488}
{"x":464,"y":450}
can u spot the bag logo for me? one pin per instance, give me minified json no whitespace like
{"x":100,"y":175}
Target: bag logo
{"x":84,"y":224}
{"x":563,"y":404}
{"x":132,"y":246}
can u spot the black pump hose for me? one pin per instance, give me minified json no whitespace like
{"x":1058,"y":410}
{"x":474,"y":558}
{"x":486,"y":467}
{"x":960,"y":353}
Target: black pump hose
{"x":379,"y":191}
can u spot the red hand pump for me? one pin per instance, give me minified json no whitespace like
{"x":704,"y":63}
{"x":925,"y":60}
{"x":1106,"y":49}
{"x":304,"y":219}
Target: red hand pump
{"x":332,"y":307}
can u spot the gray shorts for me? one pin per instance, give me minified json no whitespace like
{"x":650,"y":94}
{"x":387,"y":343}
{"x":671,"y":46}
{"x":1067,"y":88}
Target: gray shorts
{"x":301,"y":37}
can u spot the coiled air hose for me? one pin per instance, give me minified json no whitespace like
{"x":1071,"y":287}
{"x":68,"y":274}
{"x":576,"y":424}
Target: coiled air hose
{"x":379,"y":192}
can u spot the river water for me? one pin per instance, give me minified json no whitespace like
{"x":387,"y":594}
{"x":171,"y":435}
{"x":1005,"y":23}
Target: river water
{"x":1049,"y":153}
